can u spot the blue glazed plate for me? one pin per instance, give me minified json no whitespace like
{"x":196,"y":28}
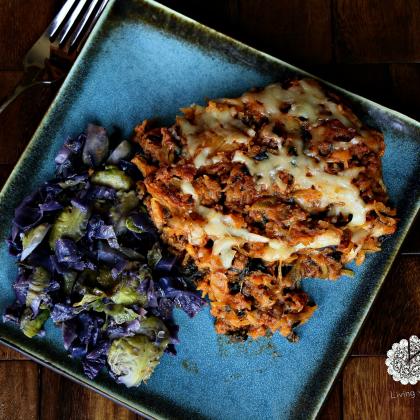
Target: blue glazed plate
{"x":143,"y":61}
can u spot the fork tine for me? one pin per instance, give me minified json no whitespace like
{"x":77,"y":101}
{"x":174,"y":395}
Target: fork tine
{"x":92,"y":23}
{"x":75,"y":37}
{"x":59,"y":19}
{"x":71,"y":21}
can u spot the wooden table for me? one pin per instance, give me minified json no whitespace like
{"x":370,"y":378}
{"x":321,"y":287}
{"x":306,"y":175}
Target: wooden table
{"x":369,"y":47}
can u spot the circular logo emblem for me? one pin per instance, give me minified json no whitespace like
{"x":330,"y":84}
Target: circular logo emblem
{"x":403,"y":361}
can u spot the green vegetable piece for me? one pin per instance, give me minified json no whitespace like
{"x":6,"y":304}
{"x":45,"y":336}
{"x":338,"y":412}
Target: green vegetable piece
{"x":68,"y":183}
{"x":154,"y":255}
{"x":112,"y":177}
{"x":105,"y":279}
{"x":120,"y":313}
{"x":69,"y":280}
{"x":153,"y":328}
{"x":131,"y":254}
{"x":126,"y":292}
{"x":97,"y":306}
{"x":70,"y":223}
{"x":32,"y":238}
{"x":86,"y":281}
{"x":133,"y":359}
{"x":89,"y":298}
{"x":127,"y":201}
{"x":131,"y":226}
{"x":39,"y":282}
{"x":31,"y":327}
{"x":128,"y":296}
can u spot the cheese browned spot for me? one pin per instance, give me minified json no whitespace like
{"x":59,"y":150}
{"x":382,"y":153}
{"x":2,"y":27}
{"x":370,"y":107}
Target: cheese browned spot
{"x":294,"y":190}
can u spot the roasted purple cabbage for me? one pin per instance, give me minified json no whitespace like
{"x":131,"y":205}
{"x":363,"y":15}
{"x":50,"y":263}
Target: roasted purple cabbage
{"x":90,"y":259}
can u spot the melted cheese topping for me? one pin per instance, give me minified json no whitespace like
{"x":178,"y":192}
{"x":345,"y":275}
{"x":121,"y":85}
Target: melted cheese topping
{"x":337,"y":191}
{"x":216,"y":128}
{"x":307,"y":100}
{"x":226,"y":235}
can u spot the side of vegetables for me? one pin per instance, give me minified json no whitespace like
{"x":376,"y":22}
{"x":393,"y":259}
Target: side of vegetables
{"x":90,"y":259}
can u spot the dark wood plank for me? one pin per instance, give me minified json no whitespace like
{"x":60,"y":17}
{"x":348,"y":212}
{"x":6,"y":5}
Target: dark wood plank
{"x":21,"y":23}
{"x":370,"y":80}
{"x":417,"y":406}
{"x":370,"y":393}
{"x":218,"y":14}
{"x":4,"y":173}
{"x":332,"y":408}
{"x":298,"y":31}
{"x":411,"y":243}
{"x":376,"y":31}
{"x":8,"y":80}
{"x":7,"y":353}
{"x":396,"y":86}
{"x":19,"y":393}
{"x":396,"y":311}
{"x":406,"y":87}
{"x":19,"y":121}
{"x":65,"y":399}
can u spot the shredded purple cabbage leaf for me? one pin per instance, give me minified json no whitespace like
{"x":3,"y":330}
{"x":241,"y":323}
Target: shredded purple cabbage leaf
{"x":90,"y":258}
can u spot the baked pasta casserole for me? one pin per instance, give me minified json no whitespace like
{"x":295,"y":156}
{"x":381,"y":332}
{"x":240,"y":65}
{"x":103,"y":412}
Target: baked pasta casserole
{"x":261,"y":191}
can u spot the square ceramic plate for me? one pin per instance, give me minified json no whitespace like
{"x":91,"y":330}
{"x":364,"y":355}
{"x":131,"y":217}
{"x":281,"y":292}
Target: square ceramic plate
{"x":142,"y":61}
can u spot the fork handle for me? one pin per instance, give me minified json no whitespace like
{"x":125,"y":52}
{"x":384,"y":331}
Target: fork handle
{"x":20,"y":89}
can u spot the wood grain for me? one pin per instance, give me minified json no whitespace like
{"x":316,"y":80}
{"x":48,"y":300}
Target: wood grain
{"x":411,"y":243}
{"x":19,"y":121}
{"x":332,"y":407}
{"x":376,"y":31}
{"x":218,"y":14}
{"x":370,"y":393}
{"x":396,"y":311}
{"x":21,"y":23}
{"x":406,"y":87}
{"x":19,"y":393}
{"x":370,"y":80}
{"x":5,"y":170}
{"x":65,"y":399}
{"x":8,"y":80}
{"x":298,"y":31}
{"x":6,"y":353}
{"x":396,"y":86}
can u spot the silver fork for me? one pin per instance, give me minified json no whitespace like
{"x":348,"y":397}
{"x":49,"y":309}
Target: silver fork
{"x":50,"y":58}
